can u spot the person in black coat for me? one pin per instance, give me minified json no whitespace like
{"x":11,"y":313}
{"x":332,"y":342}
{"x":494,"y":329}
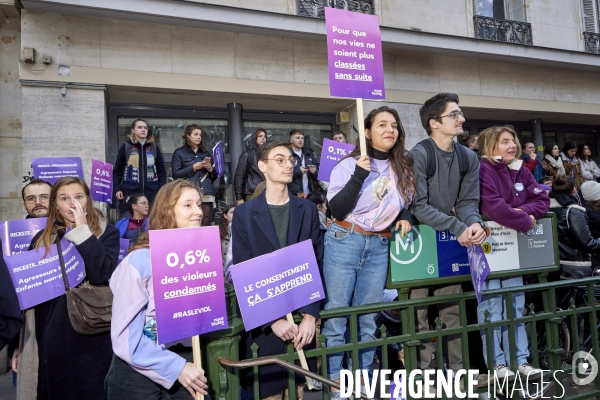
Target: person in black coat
{"x":575,"y":240}
{"x":305,"y":170}
{"x":11,"y":320}
{"x":69,"y":365}
{"x":247,"y":175}
{"x":139,"y":167}
{"x":273,"y":220}
{"x":194,"y":162}
{"x":590,"y":191}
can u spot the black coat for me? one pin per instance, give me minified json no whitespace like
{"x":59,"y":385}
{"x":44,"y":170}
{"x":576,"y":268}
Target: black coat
{"x":575,"y":241}
{"x":253,"y":235}
{"x":182,"y":165}
{"x":73,"y":366}
{"x":11,"y":319}
{"x":594,"y":224}
{"x":148,"y":189}
{"x":309,"y":159}
{"x":247,"y":175}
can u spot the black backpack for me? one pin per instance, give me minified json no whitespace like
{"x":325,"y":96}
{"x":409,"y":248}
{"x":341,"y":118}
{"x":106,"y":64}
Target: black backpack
{"x":431,"y":163}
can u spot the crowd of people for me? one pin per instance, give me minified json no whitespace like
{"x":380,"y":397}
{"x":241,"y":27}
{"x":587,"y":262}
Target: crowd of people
{"x":280,"y":202}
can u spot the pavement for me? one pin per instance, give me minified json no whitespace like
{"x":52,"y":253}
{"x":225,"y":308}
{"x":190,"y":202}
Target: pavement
{"x":7,"y":391}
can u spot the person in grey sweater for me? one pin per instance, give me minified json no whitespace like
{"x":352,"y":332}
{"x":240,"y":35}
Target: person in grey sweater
{"x":451,"y":191}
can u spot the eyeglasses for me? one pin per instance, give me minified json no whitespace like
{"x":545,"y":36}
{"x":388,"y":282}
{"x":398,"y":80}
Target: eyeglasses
{"x":282,"y":162}
{"x":454,"y":115}
{"x":32,"y":199}
{"x":143,"y":203}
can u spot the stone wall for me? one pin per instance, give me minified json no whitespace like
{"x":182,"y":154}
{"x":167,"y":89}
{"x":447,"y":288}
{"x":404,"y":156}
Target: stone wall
{"x":69,"y":126}
{"x":10,"y":119}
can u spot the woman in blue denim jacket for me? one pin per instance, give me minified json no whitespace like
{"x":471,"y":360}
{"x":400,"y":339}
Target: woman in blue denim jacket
{"x":194,"y":162}
{"x":356,"y":243}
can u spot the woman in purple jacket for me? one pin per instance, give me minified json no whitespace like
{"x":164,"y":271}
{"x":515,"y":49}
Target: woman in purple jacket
{"x":511,"y":197}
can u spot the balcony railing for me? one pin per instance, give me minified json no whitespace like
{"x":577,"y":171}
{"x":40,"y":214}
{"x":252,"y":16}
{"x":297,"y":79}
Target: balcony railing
{"x":592,"y":42}
{"x":316,"y":8}
{"x":501,"y":30}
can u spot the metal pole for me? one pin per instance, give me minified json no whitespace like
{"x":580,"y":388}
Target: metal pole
{"x":236,"y":134}
{"x":538,"y":136}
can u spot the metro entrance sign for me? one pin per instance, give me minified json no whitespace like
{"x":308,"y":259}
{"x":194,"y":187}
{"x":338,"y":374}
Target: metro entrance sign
{"x":425,"y":256}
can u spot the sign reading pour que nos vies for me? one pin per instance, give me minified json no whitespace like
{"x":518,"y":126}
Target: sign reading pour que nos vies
{"x":424,"y":253}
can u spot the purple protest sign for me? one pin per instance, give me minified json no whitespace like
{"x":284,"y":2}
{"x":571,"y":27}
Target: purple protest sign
{"x":331,"y":154}
{"x":187,"y":277}
{"x":354,"y":55}
{"x":290,"y":276}
{"x":123,"y":247}
{"x":219,"y":159}
{"x":52,"y":169}
{"x":102,"y":181}
{"x":38,"y":279}
{"x":479,"y":268}
{"x":16,"y":235}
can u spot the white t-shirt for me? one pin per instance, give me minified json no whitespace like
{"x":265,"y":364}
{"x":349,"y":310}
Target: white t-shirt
{"x":304,"y":176}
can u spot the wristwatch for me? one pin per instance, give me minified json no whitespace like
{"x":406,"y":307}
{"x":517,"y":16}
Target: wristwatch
{"x":482,"y":225}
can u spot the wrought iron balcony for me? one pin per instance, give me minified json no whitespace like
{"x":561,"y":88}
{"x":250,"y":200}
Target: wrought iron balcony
{"x":316,"y":8}
{"x":501,"y":30}
{"x":592,"y":42}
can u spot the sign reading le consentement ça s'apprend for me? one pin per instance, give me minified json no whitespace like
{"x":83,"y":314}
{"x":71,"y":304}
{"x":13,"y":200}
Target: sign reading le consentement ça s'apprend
{"x":354,"y":55}
{"x":187,"y":277}
{"x":275,"y":284}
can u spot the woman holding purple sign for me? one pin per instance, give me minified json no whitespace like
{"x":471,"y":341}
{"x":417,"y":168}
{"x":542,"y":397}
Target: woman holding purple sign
{"x":511,"y":197}
{"x":367,"y":195}
{"x":56,"y":362}
{"x":142,"y":369}
{"x":194,"y":162}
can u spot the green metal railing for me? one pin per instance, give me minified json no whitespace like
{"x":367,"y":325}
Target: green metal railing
{"x":547,"y":323}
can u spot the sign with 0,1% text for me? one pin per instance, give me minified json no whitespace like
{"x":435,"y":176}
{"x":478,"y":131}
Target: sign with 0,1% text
{"x":187,"y":278}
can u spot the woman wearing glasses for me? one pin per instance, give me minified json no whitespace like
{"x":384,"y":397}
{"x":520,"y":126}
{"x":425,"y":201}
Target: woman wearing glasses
{"x":137,"y":223}
{"x":368,"y":195}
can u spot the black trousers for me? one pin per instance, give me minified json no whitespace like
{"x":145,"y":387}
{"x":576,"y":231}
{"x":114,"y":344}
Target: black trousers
{"x":124,"y":383}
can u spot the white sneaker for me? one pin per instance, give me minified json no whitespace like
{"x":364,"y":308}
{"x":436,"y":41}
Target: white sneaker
{"x":529,"y":370}
{"x":502,"y":371}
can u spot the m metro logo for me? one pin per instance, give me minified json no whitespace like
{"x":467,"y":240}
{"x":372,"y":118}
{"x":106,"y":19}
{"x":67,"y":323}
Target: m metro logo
{"x":408,"y":248}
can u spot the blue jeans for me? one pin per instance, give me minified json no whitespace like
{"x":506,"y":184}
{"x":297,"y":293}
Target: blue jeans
{"x":497,"y":307}
{"x":355,"y":271}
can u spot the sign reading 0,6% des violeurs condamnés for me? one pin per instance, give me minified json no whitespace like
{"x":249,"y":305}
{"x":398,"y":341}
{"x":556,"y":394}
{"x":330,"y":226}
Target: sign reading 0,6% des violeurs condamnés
{"x":187,"y":277}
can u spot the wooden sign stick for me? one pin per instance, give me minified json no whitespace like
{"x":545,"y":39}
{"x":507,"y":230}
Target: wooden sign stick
{"x":301,"y":356}
{"x":361,"y":127}
{"x":197,"y":359}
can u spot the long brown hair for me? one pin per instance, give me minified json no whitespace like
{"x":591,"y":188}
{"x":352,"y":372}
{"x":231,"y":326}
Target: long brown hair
{"x":56,"y":222}
{"x":186,"y":134}
{"x":401,"y":160}
{"x":162,"y":215}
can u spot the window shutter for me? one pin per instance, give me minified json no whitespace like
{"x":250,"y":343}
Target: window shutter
{"x":515,"y":10}
{"x":590,"y":15}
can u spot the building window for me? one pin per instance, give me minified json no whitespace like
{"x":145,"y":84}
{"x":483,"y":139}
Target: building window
{"x":168,"y":135}
{"x":502,"y":21}
{"x":316,"y":8}
{"x":591,"y":25}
